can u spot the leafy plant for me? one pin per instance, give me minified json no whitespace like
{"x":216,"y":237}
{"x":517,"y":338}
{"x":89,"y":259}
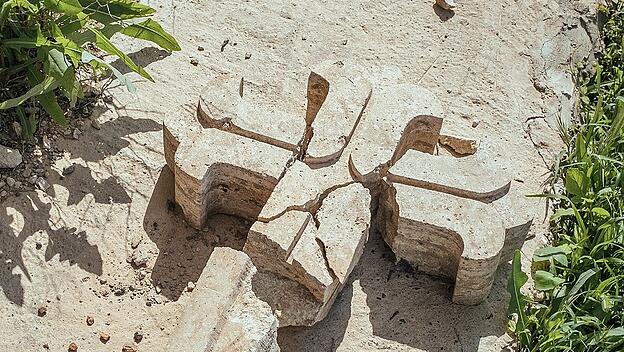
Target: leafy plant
{"x":43,"y":44}
{"x":581,"y":275}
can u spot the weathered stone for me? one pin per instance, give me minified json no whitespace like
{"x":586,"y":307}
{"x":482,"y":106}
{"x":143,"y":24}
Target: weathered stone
{"x":269,"y":111}
{"x":316,"y":250}
{"x":344,"y":91}
{"x":398,"y":117}
{"x":444,"y":235}
{"x":9,"y":158}
{"x":220,"y":172}
{"x":463,"y":177}
{"x":223,"y":313}
{"x":459,"y":145}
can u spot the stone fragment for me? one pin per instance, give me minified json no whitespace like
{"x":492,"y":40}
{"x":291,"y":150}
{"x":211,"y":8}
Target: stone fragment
{"x":343,"y":91}
{"x":72,"y":347}
{"x":459,"y":145}
{"x":104,"y":337}
{"x":9,"y":158}
{"x":444,"y":235}
{"x":316,"y":251}
{"x":221,"y":172}
{"x":269,"y":110}
{"x":140,"y":256}
{"x":398,"y":117}
{"x":223,"y":313}
{"x":463,"y":177}
{"x":42,"y":311}
{"x":89,"y":320}
{"x":446,"y":4}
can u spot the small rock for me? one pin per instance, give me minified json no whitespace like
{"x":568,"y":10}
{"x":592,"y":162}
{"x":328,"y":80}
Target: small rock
{"x":32,"y":180}
{"x":446,"y":4}
{"x":138,"y":336}
{"x":42,"y":184}
{"x":104,"y":337}
{"x":95,"y":124}
{"x":10,"y":181}
{"x":18,"y":184}
{"x":157,"y":288}
{"x":194,"y":62}
{"x":475,"y":123}
{"x":46,"y":142}
{"x":76,"y":133}
{"x":42,"y":311}
{"x":128,"y":348}
{"x":3,"y":194}
{"x":27,"y":172}
{"x":89,"y":320}
{"x":190,"y":286}
{"x":9,"y":158}
{"x":46,"y":346}
{"x":200,"y":48}
{"x":344,"y":42}
{"x":38,"y":245}
{"x":69,"y":170}
{"x":73,"y":347}
{"x":140,"y":256}
{"x":247,"y":56}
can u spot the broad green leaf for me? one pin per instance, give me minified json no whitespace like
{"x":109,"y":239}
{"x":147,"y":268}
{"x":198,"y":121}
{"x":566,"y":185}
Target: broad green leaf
{"x":115,"y":10}
{"x":545,"y":281}
{"x":123,"y":79}
{"x":581,"y":281}
{"x":56,"y":65}
{"x":70,"y":7}
{"x":558,"y":254}
{"x":561,"y":212}
{"x":517,"y":304}
{"x":150,"y":30}
{"x":45,"y":86}
{"x":601,"y":212}
{"x":576,"y":182}
{"x":105,"y":44}
{"x":616,"y":332}
{"x":47,"y":99}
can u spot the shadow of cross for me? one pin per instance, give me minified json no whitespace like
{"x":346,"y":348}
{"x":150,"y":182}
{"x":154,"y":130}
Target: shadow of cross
{"x":314,"y":171}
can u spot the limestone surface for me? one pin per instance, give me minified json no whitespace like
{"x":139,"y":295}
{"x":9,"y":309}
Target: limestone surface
{"x":224,"y":313}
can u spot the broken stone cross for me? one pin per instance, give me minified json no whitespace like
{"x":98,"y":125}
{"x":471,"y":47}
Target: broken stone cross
{"x":316,"y":158}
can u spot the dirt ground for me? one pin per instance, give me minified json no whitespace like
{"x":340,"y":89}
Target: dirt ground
{"x":499,"y":67}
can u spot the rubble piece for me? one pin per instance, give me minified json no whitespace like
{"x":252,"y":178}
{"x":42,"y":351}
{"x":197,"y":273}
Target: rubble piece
{"x":224,"y":314}
{"x":9,"y":158}
{"x":303,"y":188}
{"x":398,"y":117}
{"x":338,"y":94}
{"x":316,"y":250}
{"x":459,"y":145}
{"x":220,"y":172}
{"x":270,"y":112}
{"x":444,"y":235}
{"x":462,"y":177}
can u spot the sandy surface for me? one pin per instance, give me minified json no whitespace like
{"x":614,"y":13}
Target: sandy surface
{"x":497,"y":65}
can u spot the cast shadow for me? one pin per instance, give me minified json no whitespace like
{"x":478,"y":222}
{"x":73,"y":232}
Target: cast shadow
{"x":407,"y":307}
{"x":143,"y":58}
{"x":69,"y":245}
{"x":183,"y":250}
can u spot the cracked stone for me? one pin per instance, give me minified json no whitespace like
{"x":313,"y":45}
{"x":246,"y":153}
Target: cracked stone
{"x":9,"y":158}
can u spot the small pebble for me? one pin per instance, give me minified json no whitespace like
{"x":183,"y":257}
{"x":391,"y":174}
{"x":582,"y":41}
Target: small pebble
{"x":138,"y":336}
{"x":200,"y":48}
{"x":247,"y":56}
{"x":69,"y":170}
{"x":73,"y":347}
{"x":475,"y":123}
{"x":104,"y":337}
{"x":89,"y":320}
{"x":190,"y":286}
{"x":42,"y":311}
{"x":128,"y":348}
{"x":194,"y":62}
{"x":10,"y":181}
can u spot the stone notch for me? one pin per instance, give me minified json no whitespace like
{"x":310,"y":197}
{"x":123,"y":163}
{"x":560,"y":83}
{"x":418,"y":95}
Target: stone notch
{"x":317,"y":249}
{"x":220,"y":172}
{"x":223,"y":313}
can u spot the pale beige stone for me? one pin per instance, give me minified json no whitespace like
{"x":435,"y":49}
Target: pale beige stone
{"x":345,"y":91}
{"x":221,"y":172}
{"x":463,"y":177}
{"x":303,"y":187}
{"x":459,"y":145}
{"x":269,"y":110}
{"x":444,"y":235}
{"x":398,"y":117}
{"x":317,"y":250}
{"x":224,"y":313}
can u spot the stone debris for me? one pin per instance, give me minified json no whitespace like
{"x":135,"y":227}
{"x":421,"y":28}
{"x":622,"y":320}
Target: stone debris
{"x":315,"y":171}
{"x":223,"y":313}
{"x":446,"y":4}
{"x":9,"y":158}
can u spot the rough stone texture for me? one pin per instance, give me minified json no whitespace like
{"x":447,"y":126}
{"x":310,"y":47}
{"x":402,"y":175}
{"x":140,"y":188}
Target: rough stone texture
{"x":268,"y":111}
{"x":453,"y":217}
{"x":385,"y":130}
{"x":9,"y":158}
{"x":317,"y":250}
{"x":224,"y":314}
